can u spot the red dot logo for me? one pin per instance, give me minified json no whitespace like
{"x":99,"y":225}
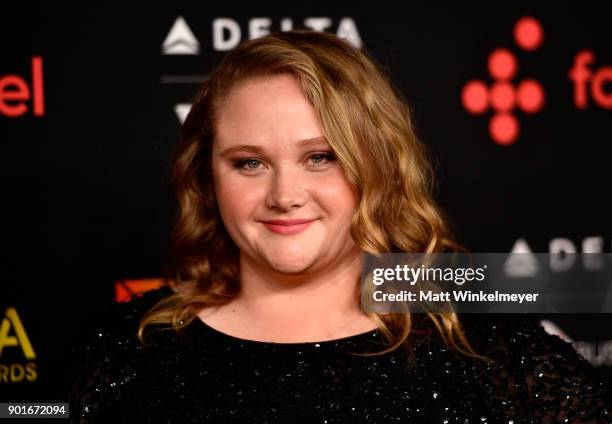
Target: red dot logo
{"x":528,"y":33}
{"x":530,"y":96}
{"x":503,"y":127}
{"x":475,"y":97}
{"x":502,"y":97}
{"x":502,"y":64}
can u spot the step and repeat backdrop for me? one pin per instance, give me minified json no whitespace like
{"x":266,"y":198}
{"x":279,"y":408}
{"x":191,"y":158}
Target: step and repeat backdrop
{"x":513,"y":100}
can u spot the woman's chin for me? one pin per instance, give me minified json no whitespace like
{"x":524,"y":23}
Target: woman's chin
{"x":290,"y":262}
{"x":290,"y":267}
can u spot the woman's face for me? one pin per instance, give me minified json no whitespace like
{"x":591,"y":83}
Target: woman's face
{"x":271,"y":162}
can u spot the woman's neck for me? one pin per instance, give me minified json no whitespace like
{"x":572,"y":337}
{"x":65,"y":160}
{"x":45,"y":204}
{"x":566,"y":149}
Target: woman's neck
{"x":316,"y":306}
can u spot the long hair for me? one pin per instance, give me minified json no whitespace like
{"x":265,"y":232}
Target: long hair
{"x":369,"y":127}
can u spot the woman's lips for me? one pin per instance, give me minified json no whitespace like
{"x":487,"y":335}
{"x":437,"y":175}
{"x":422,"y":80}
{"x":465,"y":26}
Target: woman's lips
{"x":288,"y":227}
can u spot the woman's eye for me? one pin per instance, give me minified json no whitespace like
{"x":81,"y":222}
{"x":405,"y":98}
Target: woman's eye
{"x":319,"y":158}
{"x":247,"y":164}
{"x":251,"y":164}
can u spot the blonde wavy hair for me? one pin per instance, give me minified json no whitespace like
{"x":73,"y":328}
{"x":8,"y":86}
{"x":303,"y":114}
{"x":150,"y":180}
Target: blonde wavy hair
{"x":368,"y":126}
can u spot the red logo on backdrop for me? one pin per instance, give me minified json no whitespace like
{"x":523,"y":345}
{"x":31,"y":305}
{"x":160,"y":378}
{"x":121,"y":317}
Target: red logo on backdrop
{"x":125,"y":290}
{"x":580,"y":74}
{"x":15,"y":92}
{"x":502,"y":97}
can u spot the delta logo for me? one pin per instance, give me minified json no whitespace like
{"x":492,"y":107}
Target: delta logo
{"x":227,"y":33}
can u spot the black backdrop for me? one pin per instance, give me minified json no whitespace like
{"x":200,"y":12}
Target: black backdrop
{"x":85,"y":159}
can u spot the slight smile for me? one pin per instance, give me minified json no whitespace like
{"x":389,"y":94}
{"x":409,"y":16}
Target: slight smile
{"x":288,"y":226}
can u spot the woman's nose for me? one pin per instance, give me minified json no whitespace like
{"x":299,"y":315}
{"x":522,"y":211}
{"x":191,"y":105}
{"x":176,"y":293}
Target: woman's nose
{"x":286,"y":190}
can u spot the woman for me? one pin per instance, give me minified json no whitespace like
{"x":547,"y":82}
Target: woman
{"x":297,"y":156}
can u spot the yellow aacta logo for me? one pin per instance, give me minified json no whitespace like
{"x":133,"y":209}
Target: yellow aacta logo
{"x":20,"y":339}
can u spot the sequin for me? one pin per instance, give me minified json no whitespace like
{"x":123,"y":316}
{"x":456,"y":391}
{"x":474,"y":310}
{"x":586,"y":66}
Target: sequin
{"x":202,"y":375}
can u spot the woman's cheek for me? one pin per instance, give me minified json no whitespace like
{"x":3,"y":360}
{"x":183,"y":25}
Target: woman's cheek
{"x":240,"y":195}
{"x":337,"y":190}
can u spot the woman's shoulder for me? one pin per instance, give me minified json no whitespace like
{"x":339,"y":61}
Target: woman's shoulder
{"x":520,"y":344}
{"x":499,"y":325}
{"x":518,"y":335}
{"x":534,"y":373}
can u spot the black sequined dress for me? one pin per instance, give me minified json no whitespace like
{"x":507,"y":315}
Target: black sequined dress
{"x":202,"y":375}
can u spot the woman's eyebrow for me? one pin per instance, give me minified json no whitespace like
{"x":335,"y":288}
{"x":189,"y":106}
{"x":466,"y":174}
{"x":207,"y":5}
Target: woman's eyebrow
{"x":249,"y":148}
{"x":312,"y":141}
